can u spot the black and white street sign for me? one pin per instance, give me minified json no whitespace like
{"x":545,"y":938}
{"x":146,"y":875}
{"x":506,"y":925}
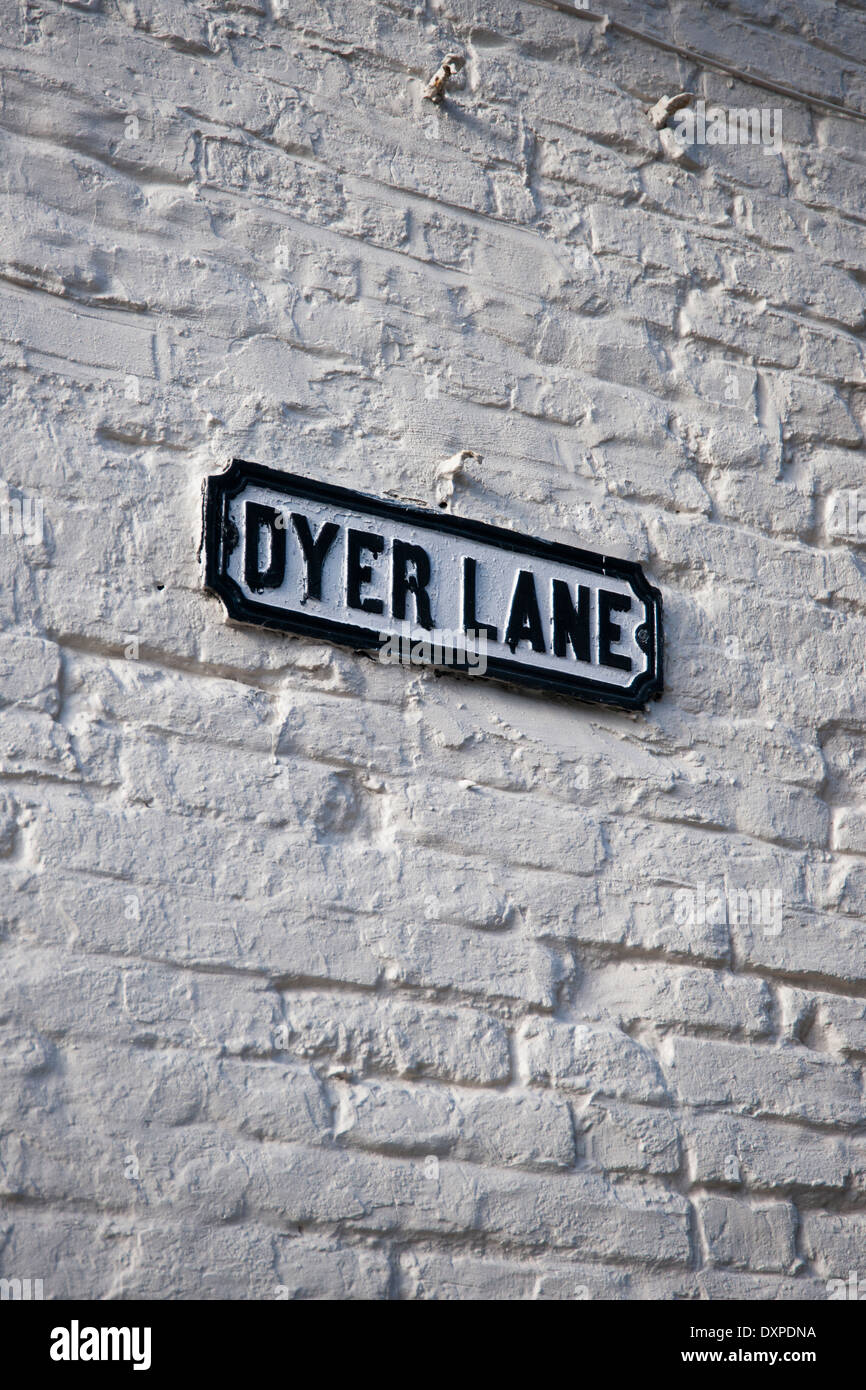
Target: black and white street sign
{"x":285,"y":552}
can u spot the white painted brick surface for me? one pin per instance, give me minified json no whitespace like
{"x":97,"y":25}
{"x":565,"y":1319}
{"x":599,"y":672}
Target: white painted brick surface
{"x":325,"y":979}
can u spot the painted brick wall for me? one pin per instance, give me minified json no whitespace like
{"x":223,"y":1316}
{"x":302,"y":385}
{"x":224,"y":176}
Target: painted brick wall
{"x":320,"y":978}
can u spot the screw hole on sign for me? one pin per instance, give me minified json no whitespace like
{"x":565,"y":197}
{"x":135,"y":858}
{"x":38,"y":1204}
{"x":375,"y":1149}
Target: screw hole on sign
{"x":642,"y":637}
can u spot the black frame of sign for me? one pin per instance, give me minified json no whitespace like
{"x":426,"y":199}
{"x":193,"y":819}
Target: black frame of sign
{"x":220,"y":537}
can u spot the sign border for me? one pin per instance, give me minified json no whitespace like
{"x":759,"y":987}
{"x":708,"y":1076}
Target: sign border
{"x":220,"y":488}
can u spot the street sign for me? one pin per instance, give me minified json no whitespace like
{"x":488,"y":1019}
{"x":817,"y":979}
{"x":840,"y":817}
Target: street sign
{"x":285,"y":552}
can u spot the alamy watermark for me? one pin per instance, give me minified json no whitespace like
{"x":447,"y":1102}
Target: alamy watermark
{"x":21,"y":1290}
{"x":22,"y":518}
{"x":848,"y":514}
{"x":849,"y":1288}
{"x":466,"y":649}
{"x":710,"y":905}
{"x":732,"y":125}
{"x":77,"y":1343}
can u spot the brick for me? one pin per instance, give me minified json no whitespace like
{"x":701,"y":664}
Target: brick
{"x":33,"y":745}
{"x":788,"y":1081}
{"x":455,"y":1278}
{"x":622,"y":1138}
{"x":80,"y":336}
{"x":68,"y":1251}
{"x":834,"y":1242}
{"x":165,"y":1088}
{"x":169,"y":21}
{"x":574,"y":1212}
{"x":629,"y":993}
{"x":577,"y":1057}
{"x":29,"y":673}
{"x":535,"y":832}
{"x":759,"y":1237}
{"x":145,"y":1003}
{"x":812,"y":410}
{"x":843,"y":1022}
{"x":730,"y":1285}
{"x":523,"y":1130}
{"x":751,"y":1153}
{"x":809,"y":943}
{"x":849,"y":830}
{"x":409,"y":1039}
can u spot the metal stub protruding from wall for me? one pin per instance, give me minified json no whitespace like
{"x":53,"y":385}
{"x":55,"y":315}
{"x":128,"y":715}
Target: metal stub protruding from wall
{"x":379,"y":576}
{"x":448,"y":470}
{"x":666,"y":107}
{"x":448,"y":68}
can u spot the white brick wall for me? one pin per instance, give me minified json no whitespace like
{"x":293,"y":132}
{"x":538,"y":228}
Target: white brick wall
{"x":320,"y":978}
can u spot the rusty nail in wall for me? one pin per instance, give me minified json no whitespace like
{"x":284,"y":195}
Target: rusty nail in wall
{"x":661,"y":113}
{"x":449,"y":67}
